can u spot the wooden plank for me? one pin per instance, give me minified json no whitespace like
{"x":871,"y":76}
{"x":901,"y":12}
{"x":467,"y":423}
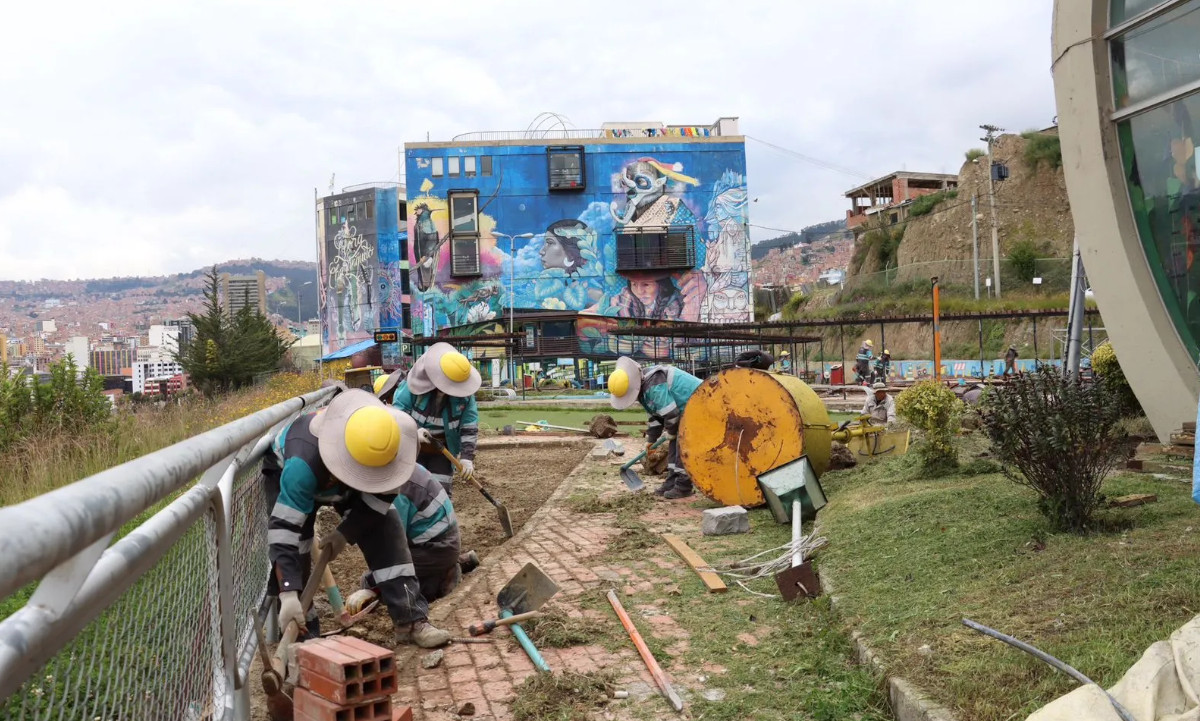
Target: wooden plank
{"x":710,"y":579}
{"x":1137,"y":499}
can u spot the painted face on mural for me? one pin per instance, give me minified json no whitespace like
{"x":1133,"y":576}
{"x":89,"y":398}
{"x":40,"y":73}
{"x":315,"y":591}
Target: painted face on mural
{"x":552,"y":253}
{"x":644,"y":289}
{"x":643,"y":185}
{"x":560,"y":246}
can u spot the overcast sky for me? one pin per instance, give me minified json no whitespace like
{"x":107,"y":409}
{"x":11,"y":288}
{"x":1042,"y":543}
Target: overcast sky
{"x":148,"y":137}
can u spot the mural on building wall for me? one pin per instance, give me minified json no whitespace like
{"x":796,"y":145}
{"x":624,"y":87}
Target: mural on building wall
{"x":351,"y":266}
{"x":570,"y":261}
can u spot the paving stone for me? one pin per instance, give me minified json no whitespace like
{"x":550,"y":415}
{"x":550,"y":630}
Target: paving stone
{"x":724,"y":521}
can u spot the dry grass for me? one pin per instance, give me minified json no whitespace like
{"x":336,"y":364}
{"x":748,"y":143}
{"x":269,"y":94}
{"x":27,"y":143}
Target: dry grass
{"x":555,"y":629}
{"x":42,"y":463}
{"x":565,"y":696}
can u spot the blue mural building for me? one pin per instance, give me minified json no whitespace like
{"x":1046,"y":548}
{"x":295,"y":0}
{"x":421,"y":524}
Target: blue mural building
{"x":362,"y":259}
{"x":585,"y":230}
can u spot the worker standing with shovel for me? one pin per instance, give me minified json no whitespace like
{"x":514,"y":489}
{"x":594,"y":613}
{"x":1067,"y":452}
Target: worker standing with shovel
{"x":663,"y":391}
{"x":439,"y":393}
{"x":353,"y":455}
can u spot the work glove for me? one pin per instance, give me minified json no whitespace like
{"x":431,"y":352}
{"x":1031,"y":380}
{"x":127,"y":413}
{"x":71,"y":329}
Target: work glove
{"x":425,"y":437}
{"x":290,"y":611}
{"x":468,"y":468}
{"x":335,"y":541}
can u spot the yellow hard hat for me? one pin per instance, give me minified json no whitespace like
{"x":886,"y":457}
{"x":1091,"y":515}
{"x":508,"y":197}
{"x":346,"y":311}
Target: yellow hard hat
{"x":886,"y":351}
{"x":456,"y":366}
{"x":618,"y":383}
{"x":372,"y":436}
{"x":379,"y":383}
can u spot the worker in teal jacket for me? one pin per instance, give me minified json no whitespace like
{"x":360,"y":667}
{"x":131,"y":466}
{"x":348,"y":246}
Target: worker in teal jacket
{"x":439,"y":394}
{"x":433,"y":539}
{"x":355,"y":455}
{"x":663,"y":391}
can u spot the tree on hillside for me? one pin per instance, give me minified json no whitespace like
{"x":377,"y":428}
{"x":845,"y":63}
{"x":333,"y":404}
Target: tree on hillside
{"x":227,"y":352}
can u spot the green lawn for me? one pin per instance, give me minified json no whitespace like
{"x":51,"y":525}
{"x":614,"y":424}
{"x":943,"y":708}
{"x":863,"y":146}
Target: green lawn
{"x":493,"y":419}
{"x":911,"y":557}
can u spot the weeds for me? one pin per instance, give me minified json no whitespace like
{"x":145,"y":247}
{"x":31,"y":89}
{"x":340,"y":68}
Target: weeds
{"x":565,"y":696}
{"x":555,"y":629}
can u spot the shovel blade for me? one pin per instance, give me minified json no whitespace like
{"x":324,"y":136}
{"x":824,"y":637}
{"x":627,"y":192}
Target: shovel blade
{"x":505,"y":520}
{"x":632,"y":480}
{"x":798,"y":581}
{"x":526,"y":591}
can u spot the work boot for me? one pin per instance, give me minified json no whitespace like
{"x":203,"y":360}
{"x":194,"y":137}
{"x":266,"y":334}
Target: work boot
{"x":468,"y":562}
{"x":422,"y":634}
{"x":681,"y":489}
{"x":664,"y":486}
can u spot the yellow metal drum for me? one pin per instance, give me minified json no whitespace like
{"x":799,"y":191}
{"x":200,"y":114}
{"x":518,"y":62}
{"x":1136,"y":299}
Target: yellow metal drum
{"x":742,"y":422}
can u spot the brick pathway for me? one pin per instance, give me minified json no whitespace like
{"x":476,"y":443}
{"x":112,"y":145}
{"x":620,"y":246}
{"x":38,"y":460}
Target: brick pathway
{"x":569,"y":548}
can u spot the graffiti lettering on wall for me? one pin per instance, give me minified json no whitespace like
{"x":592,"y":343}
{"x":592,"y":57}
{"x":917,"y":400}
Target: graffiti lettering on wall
{"x":351,"y":265}
{"x":570,"y":262}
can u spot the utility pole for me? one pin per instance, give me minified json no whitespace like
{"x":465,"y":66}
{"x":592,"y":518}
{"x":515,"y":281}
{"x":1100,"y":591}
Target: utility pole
{"x":990,"y":138}
{"x":975,"y":240}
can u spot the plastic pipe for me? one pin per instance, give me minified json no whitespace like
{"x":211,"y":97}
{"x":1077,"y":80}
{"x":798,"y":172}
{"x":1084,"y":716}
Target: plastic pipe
{"x":526,"y":643}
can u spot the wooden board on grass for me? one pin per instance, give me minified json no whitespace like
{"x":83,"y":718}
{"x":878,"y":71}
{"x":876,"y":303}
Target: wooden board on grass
{"x":710,"y":579}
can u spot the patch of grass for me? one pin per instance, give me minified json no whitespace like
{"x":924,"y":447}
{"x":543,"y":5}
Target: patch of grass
{"x":912,"y":556}
{"x":495,"y":418}
{"x":623,"y":503}
{"x":555,"y":629}
{"x":925,"y":204}
{"x":565,"y":696}
{"x":1042,"y":148}
{"x":634,"y":539}
{"x":975,"y":154}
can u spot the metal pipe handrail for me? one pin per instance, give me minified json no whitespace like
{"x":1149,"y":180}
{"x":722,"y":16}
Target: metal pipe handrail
{"x":43,"y":532}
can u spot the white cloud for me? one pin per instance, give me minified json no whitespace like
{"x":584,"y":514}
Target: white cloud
{"x":143,"y":137}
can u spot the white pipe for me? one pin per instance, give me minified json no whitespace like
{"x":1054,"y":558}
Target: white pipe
{"x":797,"y":556}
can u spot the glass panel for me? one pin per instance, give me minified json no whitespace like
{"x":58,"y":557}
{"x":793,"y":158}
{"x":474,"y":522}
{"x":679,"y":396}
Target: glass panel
{"x":462,"y":214}
{"x":566,"y":169}
{"x":370,"y":209}
{"x":1158,"y":56}
{"x":485,"y":165}
{"x":1123,"y":10}
{"x":436,"y":167}
{"x":469,"y":166}
{"x":350,"y":213}
{"x":452,"y":167}
{"x":1158,"y":150}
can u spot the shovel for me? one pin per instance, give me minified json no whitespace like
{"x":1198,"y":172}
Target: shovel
{"x":279,"y":664}
{"x":279,"y":704}
{"x":501,"y":511}
{"x":524,"y":593}
{"x":632,"y":480}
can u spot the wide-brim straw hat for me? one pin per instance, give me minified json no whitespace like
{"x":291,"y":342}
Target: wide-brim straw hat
{"x":389,"y":385}
{"x":634,"y":371}
{"x":418,"y":380}
{"x":329,"y":427}
{"x":879,"y":387}
{"x":434,"y":370}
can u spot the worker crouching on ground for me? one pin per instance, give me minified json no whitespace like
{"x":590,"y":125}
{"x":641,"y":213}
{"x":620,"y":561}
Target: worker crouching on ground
{"x":353,"y":455}
{"x":433,"y":540}
{"x":663,"y":391}
{"x":439,"y":393}
{"x":880,"y":406}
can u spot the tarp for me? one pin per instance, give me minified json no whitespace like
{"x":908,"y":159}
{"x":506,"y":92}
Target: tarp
{"x":1161,"y":686}
{"x":349,"y":350}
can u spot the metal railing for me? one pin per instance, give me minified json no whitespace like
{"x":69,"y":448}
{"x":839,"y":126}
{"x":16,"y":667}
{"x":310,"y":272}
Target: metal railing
{"x":157,"y":624}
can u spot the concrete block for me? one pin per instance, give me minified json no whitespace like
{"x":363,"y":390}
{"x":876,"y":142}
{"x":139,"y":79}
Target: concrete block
{"x":723,"y":521}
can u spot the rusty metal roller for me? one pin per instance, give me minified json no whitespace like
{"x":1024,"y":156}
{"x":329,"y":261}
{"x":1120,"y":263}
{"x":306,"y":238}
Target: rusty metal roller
{"x":742,"y":422}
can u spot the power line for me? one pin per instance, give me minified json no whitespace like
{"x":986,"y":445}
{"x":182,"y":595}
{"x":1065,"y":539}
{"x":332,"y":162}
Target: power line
{"x":810,"y":159}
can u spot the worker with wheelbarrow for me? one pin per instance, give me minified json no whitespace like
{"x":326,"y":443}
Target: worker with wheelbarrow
{"x":354,"y":455}
{"x":439,"y":393}
{"x":663,"y":391}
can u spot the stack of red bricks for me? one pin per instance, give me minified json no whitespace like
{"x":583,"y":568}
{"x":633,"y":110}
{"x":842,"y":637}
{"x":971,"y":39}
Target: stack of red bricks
{"x":346,"y":679}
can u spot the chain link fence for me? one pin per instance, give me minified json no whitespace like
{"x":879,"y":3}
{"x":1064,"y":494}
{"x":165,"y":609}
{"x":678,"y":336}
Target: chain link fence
{"x":1041,"y":276}
{"x":158,"y":629}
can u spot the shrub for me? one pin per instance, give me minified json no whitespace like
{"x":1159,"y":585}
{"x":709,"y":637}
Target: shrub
{"x":1108,"y":370}
{"x":937,"y":412}
{"x":975,"y":153}
{"x":1042,"y":148}
{"x":68,"y":402}
{"x":1062,"y":436}
{"x":1023,"y":256}
{"x":925,"y":204}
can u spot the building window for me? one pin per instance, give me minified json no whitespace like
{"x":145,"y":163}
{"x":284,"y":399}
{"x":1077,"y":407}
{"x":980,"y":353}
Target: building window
{"x":485,"y":165}
{"x":452,"y":167}
{"x":566,"y":168}
{"x":435,"y":167}
{"x":350,"y":217}
{"x":1155,"y":57}
{"x":404,"y":287}
{"x":370,"y":209}
{"x":656,"y":248}
{"x":333,"y":215}
{"x":464,"y":233}
{"x":469,"y":166}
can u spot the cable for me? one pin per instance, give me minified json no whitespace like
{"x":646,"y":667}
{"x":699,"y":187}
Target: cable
{"x":809,"y":159}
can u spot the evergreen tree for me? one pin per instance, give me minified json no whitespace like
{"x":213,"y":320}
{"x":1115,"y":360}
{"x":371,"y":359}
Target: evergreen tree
{"x":227,"y":352}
